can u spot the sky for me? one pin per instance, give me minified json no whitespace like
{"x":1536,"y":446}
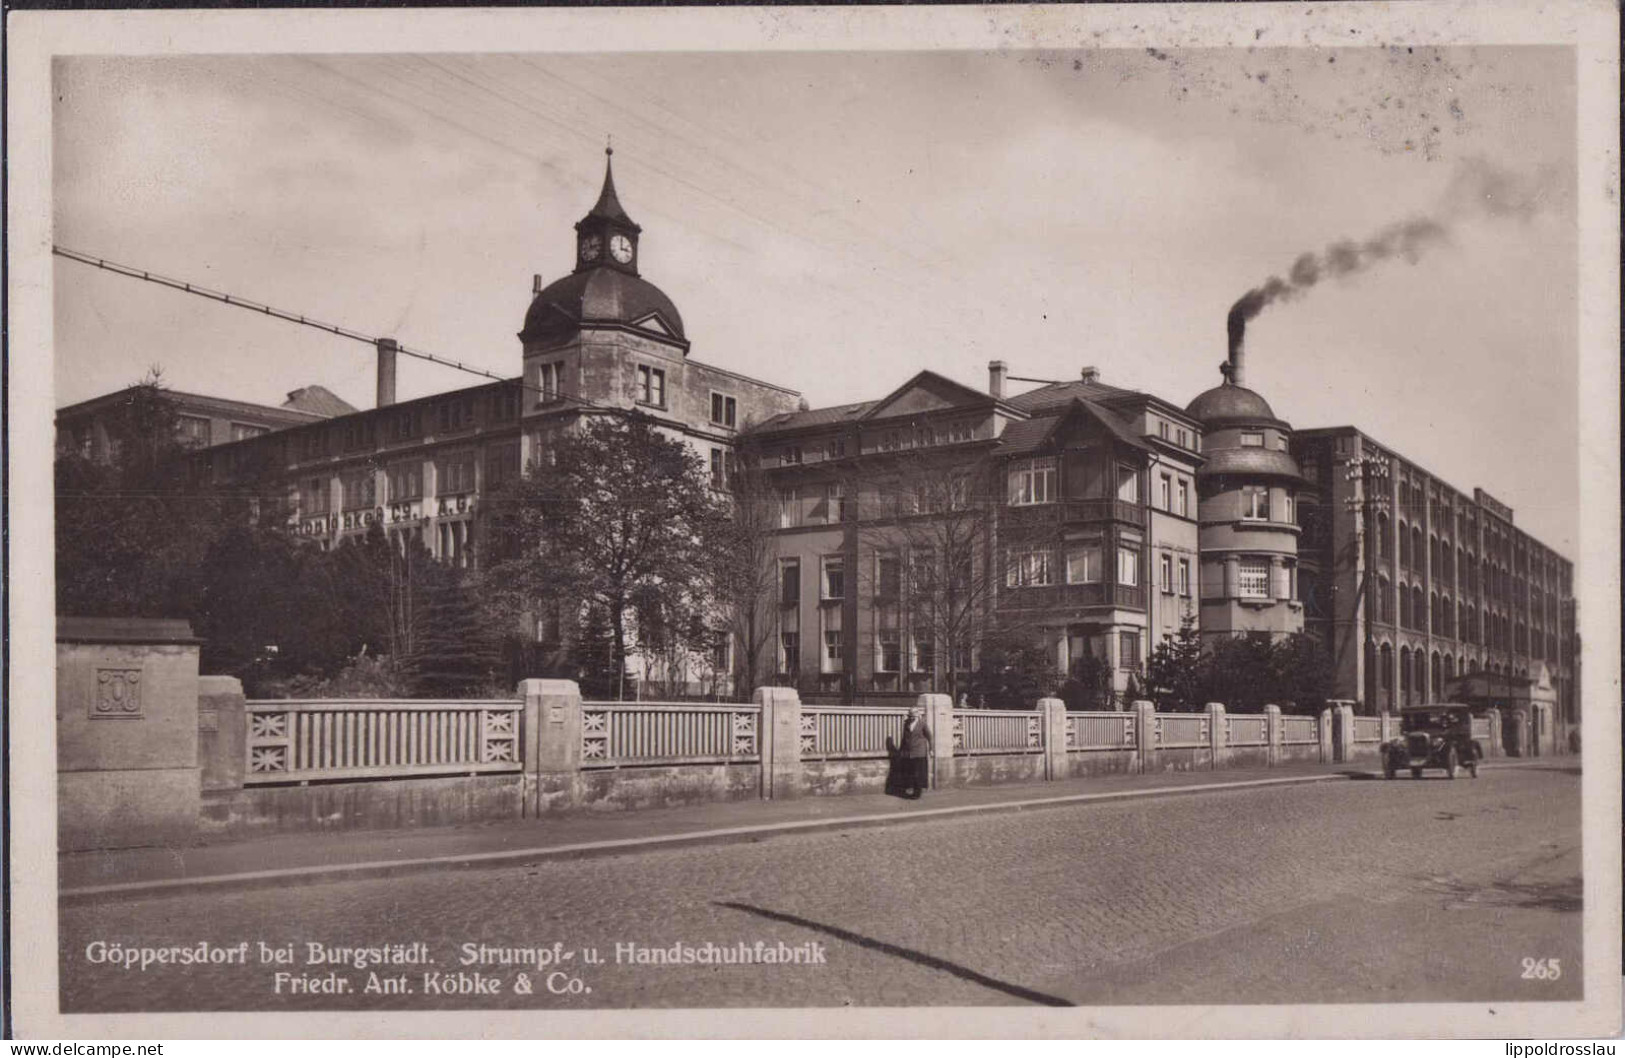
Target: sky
{"x":836,"y":221}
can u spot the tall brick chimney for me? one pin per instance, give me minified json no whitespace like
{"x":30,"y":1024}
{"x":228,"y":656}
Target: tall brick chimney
{"x":387,"y":350}
{"x":995,"y":378}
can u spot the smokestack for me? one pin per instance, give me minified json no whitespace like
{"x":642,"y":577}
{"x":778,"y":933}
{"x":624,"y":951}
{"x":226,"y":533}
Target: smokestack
{"x":1238,"y":353}
{"x":995,"y":378}
{"x":535,"y":283}
{"x":387,"y":348}
{"x":1090,"y":374}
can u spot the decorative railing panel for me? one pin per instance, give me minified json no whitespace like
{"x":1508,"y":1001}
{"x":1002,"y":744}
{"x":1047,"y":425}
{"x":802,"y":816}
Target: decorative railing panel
{"x":1183,"y":730}
{"x":997,"y":731}
{"x":1092,"y":731}
{"x":849,"y":733}
{"x":300,"y":740}
{"x":1300,"y":730}
{"x":1481,"y":727}
{"x":620,"y":734}
{"x":1246,"y":731}
{"x":1368,"y":729}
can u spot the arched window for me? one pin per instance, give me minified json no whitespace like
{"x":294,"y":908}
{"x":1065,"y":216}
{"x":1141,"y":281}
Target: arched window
{"x":1419,"y":608}
{"x":1404,"y":545}
{"x":1416,"y":545}
{"x":1386,"y":667}
{"x":1385,"y":606}
{"x":1449,"y":667}
{"x":1404,"y":607}
{"x":1383,"y":548}
{"x":1405,"y":674}
{"x":1438,"y":676}
{"x":1433,"y":610}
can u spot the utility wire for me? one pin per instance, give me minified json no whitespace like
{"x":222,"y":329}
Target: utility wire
{"x":306,"y":321}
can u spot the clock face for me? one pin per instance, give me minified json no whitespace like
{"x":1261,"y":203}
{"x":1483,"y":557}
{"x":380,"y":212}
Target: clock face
{"x":590,"y":247}
{"x":621,"y":247}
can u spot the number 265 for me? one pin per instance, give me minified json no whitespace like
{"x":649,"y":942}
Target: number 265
{"x":1542,"y":969}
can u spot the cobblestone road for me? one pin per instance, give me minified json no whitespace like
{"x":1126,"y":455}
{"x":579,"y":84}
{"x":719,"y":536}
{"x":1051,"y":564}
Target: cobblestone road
{"x":1340,"y":892}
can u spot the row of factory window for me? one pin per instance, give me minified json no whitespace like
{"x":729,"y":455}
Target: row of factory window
{"x":362,"y":432}
{"x":1422,"y":678}
{"x":1495,"y":580}
{"x":404,"y":481}
{"x":195,"y":431}
{"x":1443,"y":617}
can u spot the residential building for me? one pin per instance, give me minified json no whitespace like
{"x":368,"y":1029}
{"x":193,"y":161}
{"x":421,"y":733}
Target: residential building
{"x":912,"y":524}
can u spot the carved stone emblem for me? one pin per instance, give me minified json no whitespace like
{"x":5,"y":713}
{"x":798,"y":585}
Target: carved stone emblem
{"x":118,"y":695}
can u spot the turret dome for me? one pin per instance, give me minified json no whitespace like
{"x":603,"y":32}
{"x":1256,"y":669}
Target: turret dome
{"x":1230,"y":403}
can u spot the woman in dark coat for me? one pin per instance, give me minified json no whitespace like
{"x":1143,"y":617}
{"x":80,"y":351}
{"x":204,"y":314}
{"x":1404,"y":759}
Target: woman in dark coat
{"x":914,"y":754}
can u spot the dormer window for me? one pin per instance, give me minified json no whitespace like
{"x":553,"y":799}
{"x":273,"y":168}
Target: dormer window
{"x":1252,"y":440}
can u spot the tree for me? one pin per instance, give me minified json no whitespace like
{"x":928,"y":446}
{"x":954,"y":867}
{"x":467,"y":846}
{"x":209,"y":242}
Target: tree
{"x":132,"y":533}
{"x":1089,"y":684}
{"x":1013,"y":671}
{"x":745,"y":571}
{"x":1238,"y":671}
{"x":933,"y":516}
{"x":1175,"y":670}
{"x":1302,"y":671}
{"x":456,"y":654}
{"x":618,"y":510}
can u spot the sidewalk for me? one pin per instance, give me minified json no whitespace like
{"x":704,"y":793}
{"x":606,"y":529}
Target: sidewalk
{"x":323,"y":856}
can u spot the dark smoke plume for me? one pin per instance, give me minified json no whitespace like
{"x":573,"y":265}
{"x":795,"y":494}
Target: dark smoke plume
{"x":1478,"y":188}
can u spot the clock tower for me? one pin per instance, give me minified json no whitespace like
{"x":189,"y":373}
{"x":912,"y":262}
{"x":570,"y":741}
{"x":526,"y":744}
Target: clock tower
{"x":606,"y":237}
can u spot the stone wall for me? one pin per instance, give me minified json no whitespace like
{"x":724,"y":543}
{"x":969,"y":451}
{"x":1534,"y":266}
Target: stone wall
{"x":174,"y":764}
{"x":127,"y":732}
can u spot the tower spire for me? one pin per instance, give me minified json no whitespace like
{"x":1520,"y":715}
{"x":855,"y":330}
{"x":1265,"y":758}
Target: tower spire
{"x":609,"y":206}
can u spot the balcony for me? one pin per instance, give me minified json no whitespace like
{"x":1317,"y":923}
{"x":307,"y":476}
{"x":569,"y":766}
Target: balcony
{"x":1075,"y":596}
{"x":1103,"y":511}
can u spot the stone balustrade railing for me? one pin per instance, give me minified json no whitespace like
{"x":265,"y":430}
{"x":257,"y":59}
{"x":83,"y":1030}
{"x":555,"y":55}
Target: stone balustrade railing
{"x":306,"y":740}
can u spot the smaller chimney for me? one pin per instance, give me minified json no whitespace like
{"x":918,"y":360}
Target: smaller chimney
{"x":1238,"y":349}
{"x":535,"y":284}
{"x":995,"y":378}
{"x":1090,"y":374}
{"x":387,"y":348}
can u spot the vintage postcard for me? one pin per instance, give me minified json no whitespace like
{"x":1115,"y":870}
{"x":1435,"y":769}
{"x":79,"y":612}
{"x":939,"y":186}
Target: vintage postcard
{"x":1066,"y":520}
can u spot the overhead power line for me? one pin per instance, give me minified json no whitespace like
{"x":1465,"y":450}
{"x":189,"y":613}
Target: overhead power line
{"x":305,"y":321}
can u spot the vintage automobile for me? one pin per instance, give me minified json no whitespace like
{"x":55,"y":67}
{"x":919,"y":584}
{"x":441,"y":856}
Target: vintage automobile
{"x":1433,"y":736}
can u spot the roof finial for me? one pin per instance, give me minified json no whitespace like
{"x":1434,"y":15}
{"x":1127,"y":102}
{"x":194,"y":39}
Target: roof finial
{"x":609,"y":144}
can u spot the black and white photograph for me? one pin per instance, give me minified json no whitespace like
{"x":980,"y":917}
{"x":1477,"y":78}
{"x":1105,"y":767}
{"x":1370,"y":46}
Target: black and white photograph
{"x":1073,"y":520}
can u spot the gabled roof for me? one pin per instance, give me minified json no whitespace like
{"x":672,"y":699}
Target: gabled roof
{"x":792,"y":420}
{"x":319,"y":400}
{"x":964,"y":394}
{"x":1057,"y":394}
{"x":1031,"y":434}
{"x":1027,"y":435}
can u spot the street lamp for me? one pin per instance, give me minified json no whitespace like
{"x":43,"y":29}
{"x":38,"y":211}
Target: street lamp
{"x":1366,"y":471}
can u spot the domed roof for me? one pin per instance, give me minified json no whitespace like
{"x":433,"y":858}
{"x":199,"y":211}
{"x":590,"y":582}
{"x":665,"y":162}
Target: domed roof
{"x":1229,"y":403}
{"x":1249,"y":462}
{"x":600,"y":295}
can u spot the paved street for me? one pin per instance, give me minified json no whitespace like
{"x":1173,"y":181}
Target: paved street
{"x":1358,"y":891}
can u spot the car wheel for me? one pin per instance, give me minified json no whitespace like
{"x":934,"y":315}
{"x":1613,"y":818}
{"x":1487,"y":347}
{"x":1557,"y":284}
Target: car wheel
{"x":1416,"y":773}
{"x":1450,"y":762}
